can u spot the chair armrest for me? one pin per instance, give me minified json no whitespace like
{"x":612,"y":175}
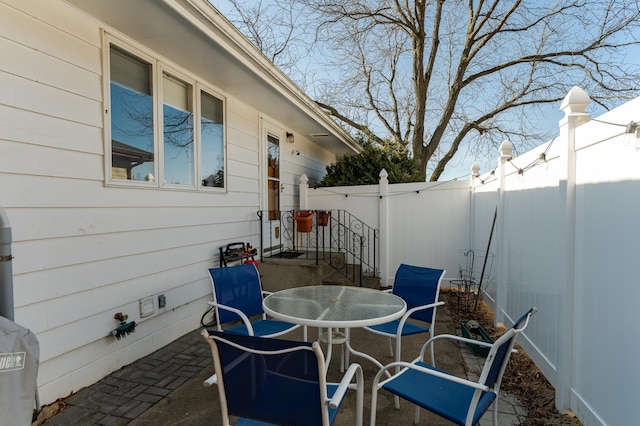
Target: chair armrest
{"x":238,"y":312}
{"x":421,"y":308}
{"x":450,"y":337}
{"x":412,"y":366}
{"x":459,"y":339}
{"x":408,"y":314}
{"x":344,"y":385}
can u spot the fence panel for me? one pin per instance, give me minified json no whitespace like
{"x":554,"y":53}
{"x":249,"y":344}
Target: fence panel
{"x":565,"y":241}
{"x":428,"y":223}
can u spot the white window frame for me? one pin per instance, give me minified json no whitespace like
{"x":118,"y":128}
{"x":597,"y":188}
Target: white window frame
{"x":158,"y":68}
{"x":162,"y":70}
{"x":199,"y":88}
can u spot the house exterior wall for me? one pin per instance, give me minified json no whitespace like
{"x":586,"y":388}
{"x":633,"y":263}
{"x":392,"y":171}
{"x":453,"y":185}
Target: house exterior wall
{"x":83,"y":250}
{"x":311,"y":162}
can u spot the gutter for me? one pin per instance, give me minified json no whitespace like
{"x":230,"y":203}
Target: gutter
{"x":6,"y":274}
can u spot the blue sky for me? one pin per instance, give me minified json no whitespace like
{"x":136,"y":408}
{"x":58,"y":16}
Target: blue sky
{"x":545,"y":120}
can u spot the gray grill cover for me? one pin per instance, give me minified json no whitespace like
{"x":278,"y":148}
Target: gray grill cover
{"x":19,"y":358}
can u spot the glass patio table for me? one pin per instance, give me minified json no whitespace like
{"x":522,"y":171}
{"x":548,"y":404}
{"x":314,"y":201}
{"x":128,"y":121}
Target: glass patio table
{"x":332,"y":307}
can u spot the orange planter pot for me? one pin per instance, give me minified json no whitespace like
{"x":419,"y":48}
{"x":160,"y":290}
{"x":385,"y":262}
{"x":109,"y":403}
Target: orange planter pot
{"x":304,"y":220}
{"x":323,"y":217}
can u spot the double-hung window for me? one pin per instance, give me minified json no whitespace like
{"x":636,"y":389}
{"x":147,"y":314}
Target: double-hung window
{"x":166,"y":130}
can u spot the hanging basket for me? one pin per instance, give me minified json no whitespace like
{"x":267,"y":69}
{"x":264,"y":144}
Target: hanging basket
{"x":304,"y":220}
{"x":323,"y":217}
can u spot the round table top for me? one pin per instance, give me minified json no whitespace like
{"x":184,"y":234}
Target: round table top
{"x":332,"y":306}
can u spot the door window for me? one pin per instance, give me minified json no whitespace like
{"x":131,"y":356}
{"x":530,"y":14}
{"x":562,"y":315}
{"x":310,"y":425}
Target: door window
{"x":273,"y":177}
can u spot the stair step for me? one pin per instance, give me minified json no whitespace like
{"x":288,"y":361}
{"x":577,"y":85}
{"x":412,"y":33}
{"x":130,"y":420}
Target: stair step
{"x":278,"y":274}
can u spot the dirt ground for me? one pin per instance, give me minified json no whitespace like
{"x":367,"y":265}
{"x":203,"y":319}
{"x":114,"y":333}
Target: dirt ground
{"x":522,"y":378}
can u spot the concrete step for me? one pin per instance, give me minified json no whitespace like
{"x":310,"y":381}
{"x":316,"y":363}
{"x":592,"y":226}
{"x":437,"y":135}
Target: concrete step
{"x":278,"y":274}
{"x":350,"y":275}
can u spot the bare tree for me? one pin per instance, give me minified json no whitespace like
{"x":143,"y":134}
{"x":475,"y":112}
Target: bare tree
{"x":443,"y":75}
{"x":274,"y":28}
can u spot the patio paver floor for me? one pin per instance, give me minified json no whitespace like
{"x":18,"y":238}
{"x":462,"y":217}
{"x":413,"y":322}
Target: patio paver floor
{"x":165,"y":387}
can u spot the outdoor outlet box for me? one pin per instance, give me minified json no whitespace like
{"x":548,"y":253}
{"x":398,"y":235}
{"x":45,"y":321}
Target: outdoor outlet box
{"x":162,"y":301}
{"x":146,"y":307}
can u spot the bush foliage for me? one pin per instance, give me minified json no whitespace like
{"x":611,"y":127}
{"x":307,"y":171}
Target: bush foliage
{"x":364,"y":168}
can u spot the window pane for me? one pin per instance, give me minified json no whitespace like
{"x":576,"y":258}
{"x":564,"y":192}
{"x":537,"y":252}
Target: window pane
{"x":273,"y":157}
{"x":273,"y":198}
{"x":273,"y":176}
{"x":212,"y":141}
{"x":178,"y":132}
{"x":132,"y":151}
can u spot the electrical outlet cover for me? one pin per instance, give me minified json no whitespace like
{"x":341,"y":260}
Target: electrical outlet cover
{"x":146,"y":307}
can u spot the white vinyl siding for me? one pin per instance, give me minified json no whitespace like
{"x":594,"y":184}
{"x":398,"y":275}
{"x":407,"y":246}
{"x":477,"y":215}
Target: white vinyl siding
{"x":85,"y":248}
{"x":82,"y":250}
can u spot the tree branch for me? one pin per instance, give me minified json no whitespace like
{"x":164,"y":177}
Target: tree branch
{"x":361,"y":127}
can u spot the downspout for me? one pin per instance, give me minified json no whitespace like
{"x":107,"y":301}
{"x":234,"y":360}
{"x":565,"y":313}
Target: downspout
{"x":6,"y":274}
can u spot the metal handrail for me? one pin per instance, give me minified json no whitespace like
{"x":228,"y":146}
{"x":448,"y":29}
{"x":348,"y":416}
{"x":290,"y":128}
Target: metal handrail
{"x":341,"y":233}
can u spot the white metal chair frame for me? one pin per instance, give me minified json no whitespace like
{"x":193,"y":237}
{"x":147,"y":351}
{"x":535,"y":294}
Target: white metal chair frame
{"x":243,"y":317}
{"x":403,"y":320}
{"x":398,"y":335}
{"x":354,"y":370}
{"x":479,"y":386}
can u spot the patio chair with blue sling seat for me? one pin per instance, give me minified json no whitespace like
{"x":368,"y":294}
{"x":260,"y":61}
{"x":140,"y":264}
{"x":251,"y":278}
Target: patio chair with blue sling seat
{"x":420,"y":288}
{"x":267,"y":381}
{"x":459,"y":400}
{"x":237,"y":295}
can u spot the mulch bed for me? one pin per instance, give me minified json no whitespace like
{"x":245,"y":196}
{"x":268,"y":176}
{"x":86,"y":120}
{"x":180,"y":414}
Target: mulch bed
{"x":522,"y":378}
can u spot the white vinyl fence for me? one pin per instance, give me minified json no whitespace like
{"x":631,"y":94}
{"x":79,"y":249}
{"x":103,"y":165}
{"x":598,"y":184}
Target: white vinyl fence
{"x":565,"y":240}
{"x":423,"y":223}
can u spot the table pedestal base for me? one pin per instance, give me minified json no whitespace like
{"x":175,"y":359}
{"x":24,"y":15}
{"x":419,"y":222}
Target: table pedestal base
{"x":334,"y":337}
{"x":338,"y":338}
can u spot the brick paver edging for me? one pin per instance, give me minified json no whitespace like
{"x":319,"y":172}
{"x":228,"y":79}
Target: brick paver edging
{"x":127,"y":393}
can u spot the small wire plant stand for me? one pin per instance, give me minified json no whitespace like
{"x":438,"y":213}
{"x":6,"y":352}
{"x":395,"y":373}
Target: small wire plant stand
{"x":474,"y":273}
